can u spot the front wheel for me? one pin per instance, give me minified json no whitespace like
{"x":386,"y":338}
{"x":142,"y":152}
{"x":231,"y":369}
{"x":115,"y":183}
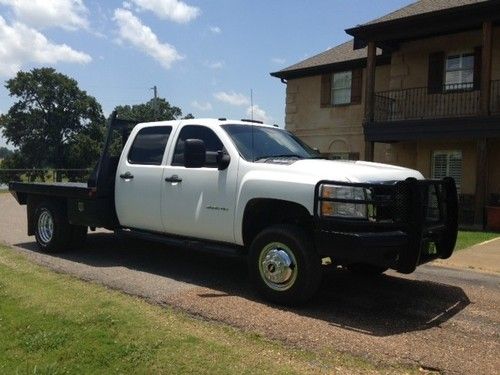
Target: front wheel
{"x":284,"y":266}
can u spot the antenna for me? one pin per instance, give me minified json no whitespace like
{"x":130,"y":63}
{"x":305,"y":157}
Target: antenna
{"x":251,"y":102}
{"x":251,"y":109}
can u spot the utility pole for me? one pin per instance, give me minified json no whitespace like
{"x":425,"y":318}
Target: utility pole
{"x":155,"y":101}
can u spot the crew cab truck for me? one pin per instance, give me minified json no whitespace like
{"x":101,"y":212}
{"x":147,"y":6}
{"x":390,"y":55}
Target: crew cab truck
{"x":248,"y":189}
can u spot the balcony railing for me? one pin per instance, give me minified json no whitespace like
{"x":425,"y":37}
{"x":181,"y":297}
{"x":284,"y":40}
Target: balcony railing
{"x":417,"y":103}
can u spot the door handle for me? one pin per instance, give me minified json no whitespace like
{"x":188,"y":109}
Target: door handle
{"x":173,"y":178}
{"x":127,"y":176}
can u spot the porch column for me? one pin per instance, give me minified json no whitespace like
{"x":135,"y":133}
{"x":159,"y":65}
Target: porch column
{"x":481,"y":180}
{"x":370,"y":95}
{"x":487,"y":49}
{"x":481,"y":197}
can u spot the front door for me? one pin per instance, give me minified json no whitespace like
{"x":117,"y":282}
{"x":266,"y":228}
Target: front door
{"x":139,"y":180}
{"x":199,"y":202}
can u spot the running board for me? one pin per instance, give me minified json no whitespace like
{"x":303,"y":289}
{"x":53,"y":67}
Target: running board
{"x":216,"y":248}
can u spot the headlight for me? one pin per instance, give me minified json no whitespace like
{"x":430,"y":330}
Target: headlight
{"x":344,"y":209}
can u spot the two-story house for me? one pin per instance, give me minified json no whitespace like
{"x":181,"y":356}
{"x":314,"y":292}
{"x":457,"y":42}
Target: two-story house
{"x":419,"y":87}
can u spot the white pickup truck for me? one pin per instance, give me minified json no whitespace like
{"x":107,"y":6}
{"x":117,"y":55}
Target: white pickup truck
{"x":248,"y":189}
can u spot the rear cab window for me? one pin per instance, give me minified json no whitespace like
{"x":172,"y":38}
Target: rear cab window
{"x":149,"y":145}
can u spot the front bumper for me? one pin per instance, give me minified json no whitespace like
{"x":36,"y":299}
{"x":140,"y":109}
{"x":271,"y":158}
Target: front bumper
{"x":413,"y":222}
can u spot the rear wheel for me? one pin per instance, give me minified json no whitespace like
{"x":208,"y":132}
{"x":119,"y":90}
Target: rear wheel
{"x":284,"y":266}
{"x":52,"y":230}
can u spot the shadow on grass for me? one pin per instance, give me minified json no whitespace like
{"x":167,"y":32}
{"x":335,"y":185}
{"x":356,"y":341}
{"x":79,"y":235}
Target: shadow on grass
{"x":380,"y":306}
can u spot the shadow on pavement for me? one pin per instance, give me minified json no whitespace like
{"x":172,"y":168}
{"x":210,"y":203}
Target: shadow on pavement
{"x":380,"y":306}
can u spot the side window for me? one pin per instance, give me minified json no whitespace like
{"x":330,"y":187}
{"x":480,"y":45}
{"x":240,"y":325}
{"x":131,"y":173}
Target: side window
{"x":212,"y":144}
{"x":149,"y":145}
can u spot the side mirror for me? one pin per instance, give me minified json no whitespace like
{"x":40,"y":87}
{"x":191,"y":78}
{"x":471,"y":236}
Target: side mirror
{"x":194,"y":153}
{"x":223,"y":160}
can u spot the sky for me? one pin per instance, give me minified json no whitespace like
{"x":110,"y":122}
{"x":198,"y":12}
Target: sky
{"x":205,"y":57}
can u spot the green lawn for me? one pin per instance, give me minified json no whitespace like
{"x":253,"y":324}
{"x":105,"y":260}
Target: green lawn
{"x":55,"y":324}
{"x":467,"y":239}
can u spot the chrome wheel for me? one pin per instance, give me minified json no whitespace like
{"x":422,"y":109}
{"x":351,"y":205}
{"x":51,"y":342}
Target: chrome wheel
{"x":278,"y":266}
{"x":45,"y":226}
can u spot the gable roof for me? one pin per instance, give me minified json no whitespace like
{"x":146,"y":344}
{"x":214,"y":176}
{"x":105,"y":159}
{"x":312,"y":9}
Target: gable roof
{"x":352,"y":54}
{"x":336,"y":57}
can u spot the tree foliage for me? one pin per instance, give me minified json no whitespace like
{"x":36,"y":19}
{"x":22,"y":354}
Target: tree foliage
{"x":53,"y":123}
{"x":154,"y":110}
{"x":5,"y":152}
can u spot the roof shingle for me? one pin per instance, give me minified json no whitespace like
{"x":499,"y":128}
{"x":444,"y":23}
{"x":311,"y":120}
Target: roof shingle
{"x":421,"y":7}
{"x":341,"y":53}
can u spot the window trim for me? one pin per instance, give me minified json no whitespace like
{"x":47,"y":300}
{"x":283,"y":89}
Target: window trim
{"x":448,"y":153}
{"x":462,"y":86}
{"x":333,"y":89}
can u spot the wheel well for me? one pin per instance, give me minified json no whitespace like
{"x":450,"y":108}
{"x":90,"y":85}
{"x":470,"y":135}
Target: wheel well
{"x":262,"y":213}
{"x":33,"y":201}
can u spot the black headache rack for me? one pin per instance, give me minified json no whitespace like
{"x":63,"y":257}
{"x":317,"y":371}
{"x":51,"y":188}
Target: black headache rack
{"x":408,"y":223}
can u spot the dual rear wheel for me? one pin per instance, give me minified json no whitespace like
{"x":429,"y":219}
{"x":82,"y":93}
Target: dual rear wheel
{"x":53,"y":232}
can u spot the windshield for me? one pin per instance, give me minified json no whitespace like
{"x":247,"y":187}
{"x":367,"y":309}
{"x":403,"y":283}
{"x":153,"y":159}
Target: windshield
{"x":257,"y":143}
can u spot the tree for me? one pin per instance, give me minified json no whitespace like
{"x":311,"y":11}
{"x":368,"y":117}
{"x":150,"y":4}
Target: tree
{"x":154,"y":110}
{"x":5,"y":152}
{"x":53,"y":123}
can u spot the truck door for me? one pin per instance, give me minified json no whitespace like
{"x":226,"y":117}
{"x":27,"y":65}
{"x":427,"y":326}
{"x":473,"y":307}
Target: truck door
{"x":199,"y":202}
{"x":139,"y":180}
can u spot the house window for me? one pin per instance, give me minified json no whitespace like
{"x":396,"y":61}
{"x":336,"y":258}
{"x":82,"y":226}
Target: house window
{"x":341,"y":88}
{"x":447,"y":164}
{"x":459,"y":71}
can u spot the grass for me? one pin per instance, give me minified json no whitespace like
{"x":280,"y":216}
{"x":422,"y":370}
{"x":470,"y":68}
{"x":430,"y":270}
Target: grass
{"x":55,"y":324}
{"x":467,"y":239}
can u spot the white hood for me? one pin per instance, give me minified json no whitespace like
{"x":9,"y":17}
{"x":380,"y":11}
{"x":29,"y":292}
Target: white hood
{"x":352,"y":171}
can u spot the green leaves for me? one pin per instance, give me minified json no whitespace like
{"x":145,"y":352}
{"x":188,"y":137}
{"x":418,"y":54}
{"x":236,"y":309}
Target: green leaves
{"x":154,"y":110}
{"x":50,"y":118}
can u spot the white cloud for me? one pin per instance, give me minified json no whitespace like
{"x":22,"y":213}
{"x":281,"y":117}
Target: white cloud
{"x":67,"y":14}
{"x":215,"y":29}
{"x":215,"y":64}
{"x":131,"y":29}
{"x":207,"y":106}
{"x":278,"y":60}
{"x":259,"y":114}
{"x":173,"y":10}
{"x":232,"y":98}
{"x":20,"y":44}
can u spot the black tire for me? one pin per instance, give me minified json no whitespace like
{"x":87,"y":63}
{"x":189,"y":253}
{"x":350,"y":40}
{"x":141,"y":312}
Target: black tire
{"x":52,"y":230}
{"x":366,"y":269}
{"x":284,"y":243}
